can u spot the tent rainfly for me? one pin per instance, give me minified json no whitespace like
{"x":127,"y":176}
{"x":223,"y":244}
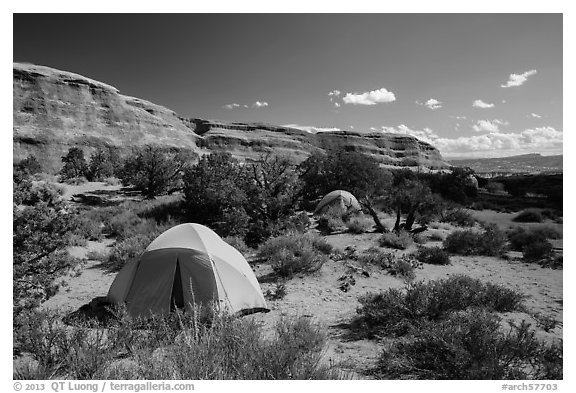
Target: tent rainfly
{"x":187,"y":265}
{"x":340,"y":199}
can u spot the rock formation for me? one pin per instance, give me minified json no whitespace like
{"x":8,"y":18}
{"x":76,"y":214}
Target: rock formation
{"x":55,"y":110}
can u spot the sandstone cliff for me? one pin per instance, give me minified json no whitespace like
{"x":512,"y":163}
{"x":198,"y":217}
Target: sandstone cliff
{"x":55,"y":110}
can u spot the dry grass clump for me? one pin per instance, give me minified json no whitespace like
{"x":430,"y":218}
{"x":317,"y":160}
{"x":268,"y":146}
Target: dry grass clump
{"x":177,"y":346}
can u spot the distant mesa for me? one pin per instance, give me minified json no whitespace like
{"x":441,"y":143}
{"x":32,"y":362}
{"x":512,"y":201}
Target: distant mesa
{"x":520,"y":164}
{"x":55,"y":110}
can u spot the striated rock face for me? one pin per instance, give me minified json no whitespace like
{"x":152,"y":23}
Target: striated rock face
{"x":55,"y":110}
{"x":246,"y":139}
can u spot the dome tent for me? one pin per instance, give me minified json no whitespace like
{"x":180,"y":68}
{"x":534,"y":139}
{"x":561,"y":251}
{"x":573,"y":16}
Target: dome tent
{"x":187,"y":265}
{"x":340,"y":199}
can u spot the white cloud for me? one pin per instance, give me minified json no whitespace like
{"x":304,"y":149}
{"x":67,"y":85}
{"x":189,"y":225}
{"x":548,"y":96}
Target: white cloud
{"x":334,"y":93}
{"x":458,"y":117}
{"x":482,"y":104}
{"x":337,"y":105}
{"x":312,"y":129}
{"x":535,"y":115}
{"x":259,"y":104}
{"x":488,"y":125}
{"x":432,"y":103}
{"x":518,"y":79}
{"x":370,"y":97}
{"x":426,"y":134}
{"x":542,"y":139}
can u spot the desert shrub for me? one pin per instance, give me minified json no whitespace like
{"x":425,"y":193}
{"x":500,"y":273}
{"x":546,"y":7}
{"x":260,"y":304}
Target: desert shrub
{"x":432,"y":256}
{"x":126,"y":250}
{"x":331,"y":220}
{"x":177,"y":346}
{"x":403,"y":266}
{"x":437,"y":236}
{"x":112,"y":181}
{"x":397,"y":312}
{"x":537,"y":251}
{"x":419,"y":238}
{"x":546,"y":322}
{"x":490,"y":242}
{"x":75,"y":181}
{"x":400,"y":240}
{"x":458,"y":217}
{"x":238,"y":243}
{"x":359,"y":224}
{"x":552,"y":262}
{"x":277,"y":293}
{"x":30,"y":165}
{"x":529,"y":215}
{"x":519,"y":237}
{"x":291,"y":254}
{"x":128,"y":223}
{"x":471,"y":345}
{"x":86,"y":228}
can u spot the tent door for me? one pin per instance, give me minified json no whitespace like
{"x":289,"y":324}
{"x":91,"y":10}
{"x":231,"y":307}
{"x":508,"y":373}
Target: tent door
{"x":177,"y":296}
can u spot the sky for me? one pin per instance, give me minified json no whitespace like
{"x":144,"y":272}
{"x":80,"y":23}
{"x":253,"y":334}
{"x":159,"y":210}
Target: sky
{"x":473,"y":85}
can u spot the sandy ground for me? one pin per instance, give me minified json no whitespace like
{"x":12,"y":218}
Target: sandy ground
{"x":318,"y":296}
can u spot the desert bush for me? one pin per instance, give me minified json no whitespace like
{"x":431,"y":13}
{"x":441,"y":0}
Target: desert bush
{"x":238,"y":243}
{"x":126,"y":250}
{"x":295,"y":253}
{"x":529,"y":215}
{"x":86,"y":228}
{"x":419,"y":238}
{"x":177,"y":346}
{"x":397,"y":312}
{"x":30,"y":165}
{"x":331,"y":220}
{"x":520,"y":237}
{"x":552,"y":262}
{"x":437,"y":236}
{"x":458,"y":217}
{"x":471,"y":345}
{"x":403,"y":266}
{"x":278,"y":293}
{"x":537,"y":251}
{"x":400,"y":240}
{"x":490,"y":242}
{"x":359,"y":224}
{"x":432,"y":256}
